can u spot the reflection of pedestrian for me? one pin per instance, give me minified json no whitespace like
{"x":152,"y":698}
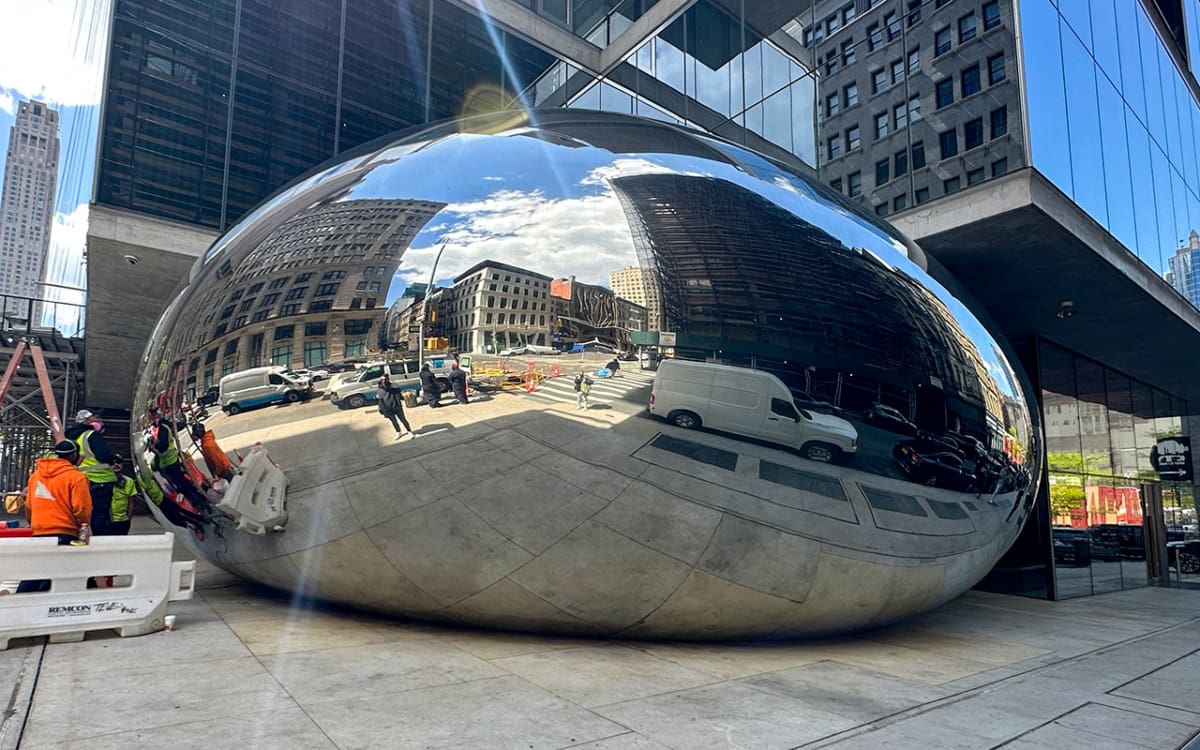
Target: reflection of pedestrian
{"x":583,"y":386}
{"x":430,"y":387}
{"x":391,"y":405}
{"x":458,"y":382}
{"x":215,"y":458}
{"x":614,"y":367}
{"x":169,"y":464}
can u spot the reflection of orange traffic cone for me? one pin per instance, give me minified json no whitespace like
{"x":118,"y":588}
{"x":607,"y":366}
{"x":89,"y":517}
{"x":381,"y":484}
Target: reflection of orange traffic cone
{"x":557,"y":370}
{"x":532,"y":388}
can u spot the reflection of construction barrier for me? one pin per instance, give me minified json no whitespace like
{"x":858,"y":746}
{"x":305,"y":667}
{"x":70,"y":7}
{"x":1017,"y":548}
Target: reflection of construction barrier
{"x":256,"y":496}
{"x":145,"y":580}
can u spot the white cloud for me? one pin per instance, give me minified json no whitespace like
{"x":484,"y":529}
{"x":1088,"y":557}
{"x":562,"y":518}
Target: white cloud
{"x":53,"y":50}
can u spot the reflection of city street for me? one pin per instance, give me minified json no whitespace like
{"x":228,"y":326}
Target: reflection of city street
{"x":821,"y":348}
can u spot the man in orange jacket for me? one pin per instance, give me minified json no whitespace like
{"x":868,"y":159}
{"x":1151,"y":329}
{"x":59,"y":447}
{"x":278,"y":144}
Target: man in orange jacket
{"x":58,"y":501}
{"x":215,"y":458}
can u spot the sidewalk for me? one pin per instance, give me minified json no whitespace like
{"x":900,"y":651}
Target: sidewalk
{"x":244,"y":668}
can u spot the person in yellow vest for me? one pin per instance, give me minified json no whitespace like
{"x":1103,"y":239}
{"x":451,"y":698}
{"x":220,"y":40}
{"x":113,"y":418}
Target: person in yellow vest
{"x":95,"y":461}
{"x":169,"y":463}
{"x":124,"y":492}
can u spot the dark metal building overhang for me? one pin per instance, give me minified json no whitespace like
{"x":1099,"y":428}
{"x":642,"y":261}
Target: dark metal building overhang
{"x":1022,"y":248}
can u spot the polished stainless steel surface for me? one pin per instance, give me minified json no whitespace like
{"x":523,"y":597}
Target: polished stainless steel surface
{"x":809,"y":431}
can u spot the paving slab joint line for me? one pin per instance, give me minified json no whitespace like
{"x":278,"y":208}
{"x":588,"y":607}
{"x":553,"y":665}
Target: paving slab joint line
{"x":16,"y":713}
{"x":924,"y":708}
{"x":1192,"y":744}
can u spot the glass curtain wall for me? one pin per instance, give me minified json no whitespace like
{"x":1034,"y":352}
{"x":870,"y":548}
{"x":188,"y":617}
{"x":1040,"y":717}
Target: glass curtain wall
{"x":1100,"y":428}
{"x":214,"y":104}
{"x":1113,"y":124}
{"x":710,"y":69}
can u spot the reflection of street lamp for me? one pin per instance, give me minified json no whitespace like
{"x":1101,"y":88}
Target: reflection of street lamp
{"x":425,"y":309}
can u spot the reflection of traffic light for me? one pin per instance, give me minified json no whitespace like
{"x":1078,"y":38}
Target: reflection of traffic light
{"x":432,"y":318}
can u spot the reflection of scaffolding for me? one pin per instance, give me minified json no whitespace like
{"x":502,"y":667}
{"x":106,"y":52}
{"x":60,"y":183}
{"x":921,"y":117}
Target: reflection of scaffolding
{"x":29,"y":403}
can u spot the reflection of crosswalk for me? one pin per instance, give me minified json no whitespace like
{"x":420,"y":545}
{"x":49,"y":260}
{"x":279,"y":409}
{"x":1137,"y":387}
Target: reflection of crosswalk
{"x":604,"y":390}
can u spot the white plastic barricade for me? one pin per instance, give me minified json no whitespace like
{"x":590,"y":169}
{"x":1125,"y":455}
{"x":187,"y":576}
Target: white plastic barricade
{"x":256,"y":498}
{"x":143,"y":575}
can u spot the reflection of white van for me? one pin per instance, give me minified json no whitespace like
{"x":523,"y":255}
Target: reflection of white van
{"x":259,"y":386}
{"x":753,"y":403}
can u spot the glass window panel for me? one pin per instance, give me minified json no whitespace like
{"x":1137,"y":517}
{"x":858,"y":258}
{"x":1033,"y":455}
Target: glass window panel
{"x":1164,"y":199}
{"x":613,"y":99}
{"x":1114,"y":151}
{"x":280,"y":130}
{"x":1187,"y":133}
{"x":1046,"y":94}
{"x":1171,"y":143}
{"x":1128,"y":16}
{"x":1142,"y":177}
{"x":1078,"y":15}
{"x":393,"y":84}
{"x":777,"y":119}
{"x":1151,"y":78}
{"x":1092,"y":393}
{"x":753,"y":84}
{"x":589,"y":99}
{"x":804,"y":135}
{"x":1183,"y":223}
{"x":1083,"y":128}
{"x":1105,"y":45}
{"x":776,"y":68}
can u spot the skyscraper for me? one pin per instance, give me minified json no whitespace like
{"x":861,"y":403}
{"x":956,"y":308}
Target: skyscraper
{"x":1184,"y":263}
{"x":27,"y":201}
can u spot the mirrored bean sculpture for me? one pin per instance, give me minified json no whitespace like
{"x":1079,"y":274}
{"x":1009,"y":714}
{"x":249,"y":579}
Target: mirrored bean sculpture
{"x":585,"y":373}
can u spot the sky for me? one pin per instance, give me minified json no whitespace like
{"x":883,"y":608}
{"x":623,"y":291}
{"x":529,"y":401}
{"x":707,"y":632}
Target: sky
{"x":54,"y":52}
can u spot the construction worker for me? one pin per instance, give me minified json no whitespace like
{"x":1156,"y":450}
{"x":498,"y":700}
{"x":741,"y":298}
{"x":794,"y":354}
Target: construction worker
{"x":95,"y":461}
{"x":58,"y":503}
{"x":123,"y":494}
{"x":215,"y":458}
{"x":168,"y":462}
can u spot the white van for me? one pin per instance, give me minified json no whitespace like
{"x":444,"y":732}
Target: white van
{"x":259,"y":386}
{"x":753,"y":403}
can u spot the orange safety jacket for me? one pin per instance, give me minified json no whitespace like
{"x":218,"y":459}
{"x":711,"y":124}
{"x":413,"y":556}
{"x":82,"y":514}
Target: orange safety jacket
{"x":57,"y":500}
{"x":214,"y":457}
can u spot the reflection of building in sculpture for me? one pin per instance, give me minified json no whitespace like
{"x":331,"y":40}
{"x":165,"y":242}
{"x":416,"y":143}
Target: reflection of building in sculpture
{"x":639,"y":286}
{"x":307,"y":294}
{"x":584,"y":312}
{"x":741,"y":277}
{"x":402,"y":317}
{"x":494,"y":305}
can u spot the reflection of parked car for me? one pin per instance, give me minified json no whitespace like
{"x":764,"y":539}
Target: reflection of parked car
{"x":1072,"y":546}
{"x":259,"y":386}
{"x":359,"y":389}
{"x":210,"y":396}
{"x":753,"y":403}
{"x":312,"y":375}
{"x":1111,"y":541}
{"x":888,"y":418}
{"x":813,"y":402}
{"x":935,"y":468}
{"x":336,"y":367}
{"x":514,"y":351}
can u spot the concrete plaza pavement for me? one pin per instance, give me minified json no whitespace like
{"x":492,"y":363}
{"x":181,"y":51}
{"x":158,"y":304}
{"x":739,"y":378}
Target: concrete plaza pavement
{"x":250,"y":667}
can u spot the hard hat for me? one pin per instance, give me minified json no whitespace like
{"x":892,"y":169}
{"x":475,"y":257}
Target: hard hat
{"x":83,"y":415}
{"x":65,"y":448}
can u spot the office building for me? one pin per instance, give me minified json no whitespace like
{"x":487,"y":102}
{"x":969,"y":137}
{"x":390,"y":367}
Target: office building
{"x":1045,"y":153}
{"x":27,"y":201}
{"x":637,"y":285}
{"x":1181,"y":276}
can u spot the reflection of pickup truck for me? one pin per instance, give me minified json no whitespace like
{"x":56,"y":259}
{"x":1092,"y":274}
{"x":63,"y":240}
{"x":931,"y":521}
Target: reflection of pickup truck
{"x":359,"y":388}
